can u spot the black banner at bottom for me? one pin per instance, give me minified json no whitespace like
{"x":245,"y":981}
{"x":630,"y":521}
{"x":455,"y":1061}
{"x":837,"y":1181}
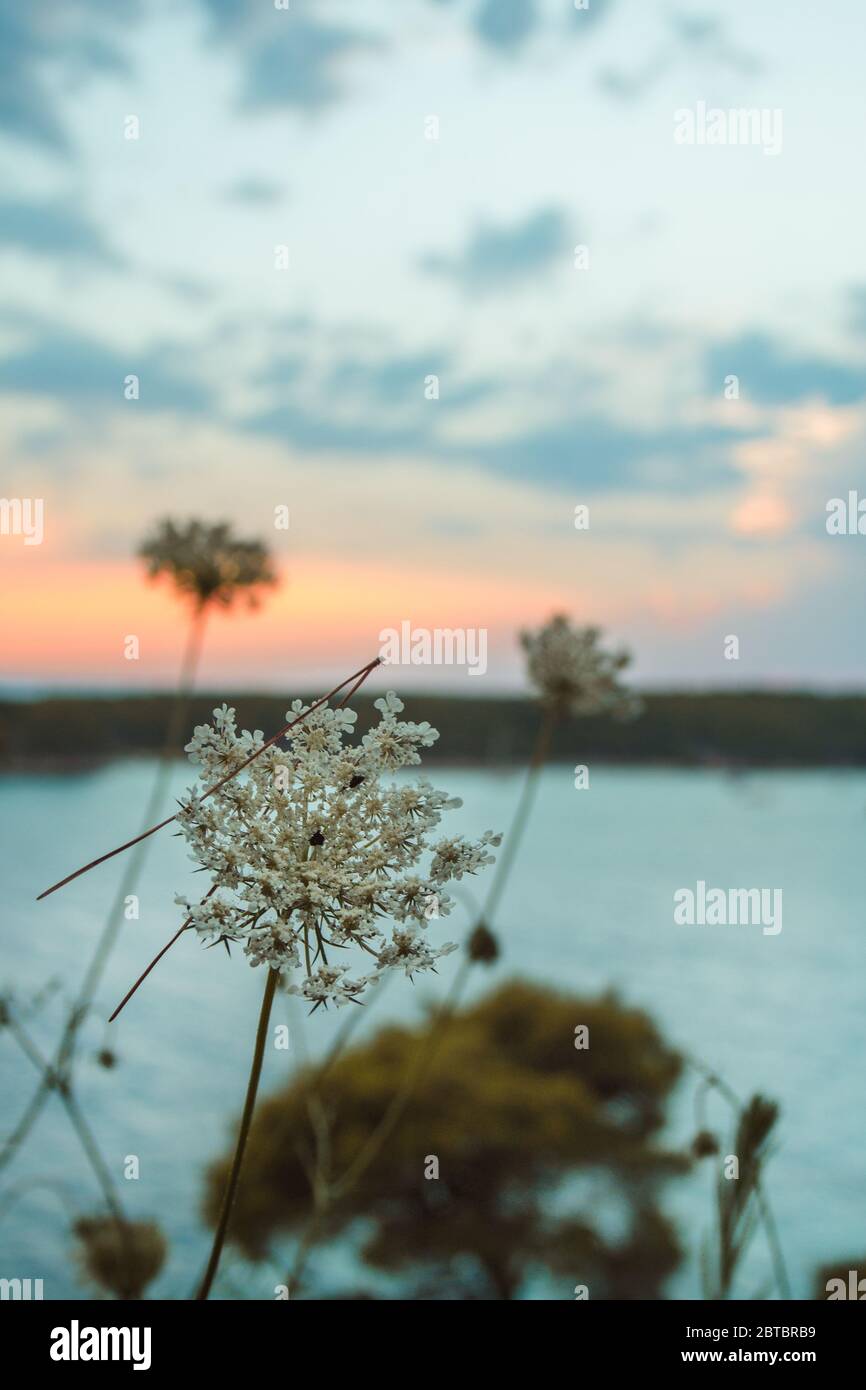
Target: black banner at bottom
{"x":63,"y":1339}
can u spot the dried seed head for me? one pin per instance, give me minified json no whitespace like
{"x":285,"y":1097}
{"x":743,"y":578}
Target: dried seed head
{"x":573,"y":674}
{"x":121,"y":1257}
{"x":483,"y":946}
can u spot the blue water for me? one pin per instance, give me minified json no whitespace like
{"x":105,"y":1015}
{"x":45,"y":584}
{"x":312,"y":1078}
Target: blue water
{"x":589,"y":906}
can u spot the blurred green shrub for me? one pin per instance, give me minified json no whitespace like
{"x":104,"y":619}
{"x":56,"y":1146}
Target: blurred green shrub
{"x":535,"y":1139}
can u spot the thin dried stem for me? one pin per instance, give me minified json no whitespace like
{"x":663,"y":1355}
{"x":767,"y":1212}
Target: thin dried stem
{"x":173,"y":737}
{"x":51,"y":1080}
{"x":26,"y":1123}
{"x":144,"y":974}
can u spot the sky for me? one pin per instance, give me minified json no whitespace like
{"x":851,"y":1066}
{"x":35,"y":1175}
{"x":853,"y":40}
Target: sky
{"x":285,"y":221}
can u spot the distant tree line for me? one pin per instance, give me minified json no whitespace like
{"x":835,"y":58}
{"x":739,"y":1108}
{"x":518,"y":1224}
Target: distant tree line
{"x":733,"y":729}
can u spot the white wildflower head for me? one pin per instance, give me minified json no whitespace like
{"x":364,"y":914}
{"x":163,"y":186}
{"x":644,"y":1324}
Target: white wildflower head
{"x":316,"y":860}
{"x":573,"y":674}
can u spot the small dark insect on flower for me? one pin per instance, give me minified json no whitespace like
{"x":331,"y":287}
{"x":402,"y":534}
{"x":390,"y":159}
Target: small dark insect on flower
{"x":317,"y":839}
{"x":704,"y":1144}
{"x":356,"y":780}
{"x":483,"y":946}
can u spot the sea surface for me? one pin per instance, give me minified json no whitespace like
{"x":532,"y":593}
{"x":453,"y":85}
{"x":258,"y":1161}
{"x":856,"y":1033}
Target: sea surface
{"x":589,"y":907}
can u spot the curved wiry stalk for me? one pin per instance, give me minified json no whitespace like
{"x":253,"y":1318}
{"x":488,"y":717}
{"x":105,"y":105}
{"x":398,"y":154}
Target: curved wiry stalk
{"x":111,"y":930}
{"x":511,"y":840}
{"x":243,"y":1134}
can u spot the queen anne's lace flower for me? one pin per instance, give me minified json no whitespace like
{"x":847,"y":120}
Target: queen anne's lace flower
{"x":210,"y":564}
{"x":572,"y":673}
{"x":311,"y":852}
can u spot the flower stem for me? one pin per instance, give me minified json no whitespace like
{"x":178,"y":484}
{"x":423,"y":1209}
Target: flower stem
{"x":243,"y":1135}
{"x":512,"y":840}
{"x":173,"y":739}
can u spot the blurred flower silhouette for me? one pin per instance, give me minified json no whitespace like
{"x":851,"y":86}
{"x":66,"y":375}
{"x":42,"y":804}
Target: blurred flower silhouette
{"x":120,"y":1257}
{"x":573,"y":674}
{"x":207,"y":563}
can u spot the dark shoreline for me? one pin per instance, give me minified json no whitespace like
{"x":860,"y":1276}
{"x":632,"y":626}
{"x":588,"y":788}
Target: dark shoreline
{"x":730,"y":730}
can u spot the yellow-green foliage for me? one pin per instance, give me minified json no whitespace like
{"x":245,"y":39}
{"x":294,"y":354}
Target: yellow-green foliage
{"x":511,"y":1108}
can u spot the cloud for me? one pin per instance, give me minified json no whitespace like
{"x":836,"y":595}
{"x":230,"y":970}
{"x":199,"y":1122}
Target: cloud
{"x":74,"y":38}
{"x":347,"y":389}
{"x":773,"y":375}
{"x":705,"y":36}
{"x":583,"y":20}
{"x":25,"y":109}
{"x":316,"y":430}
{"x":358,"y":407}
{"x":497,"y":257}
{"x":254,"y":192}
{"x":365,"y":406}
{"x":399,"y":380}
{"x":632,"y":86}
{"x":53,"y":228}
{"x":318,"y":395}
{"x":190,"y":288}
{"x":301,"y":67}
{"x":593,"y":452}
{"x":296,"y":59}
{"x":809,"y":453}
{"x":63,"y":365}
{"x":694,"y":38}
{"x":506,"y":24}
{"x":226,"y":14}
{"x":288,"y":59}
